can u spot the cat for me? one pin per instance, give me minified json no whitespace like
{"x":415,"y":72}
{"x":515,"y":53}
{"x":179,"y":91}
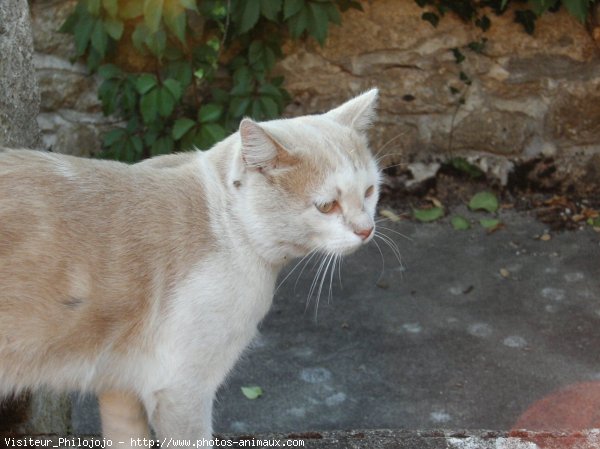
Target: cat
{"x":144,"y":283}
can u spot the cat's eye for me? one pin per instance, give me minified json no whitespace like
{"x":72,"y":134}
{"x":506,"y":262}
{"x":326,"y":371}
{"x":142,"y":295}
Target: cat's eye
{"x":369,"y":191}
{"x":327,"y":208}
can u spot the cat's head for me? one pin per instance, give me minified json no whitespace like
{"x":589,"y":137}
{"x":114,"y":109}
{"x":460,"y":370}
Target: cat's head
{"x":310,"y":183}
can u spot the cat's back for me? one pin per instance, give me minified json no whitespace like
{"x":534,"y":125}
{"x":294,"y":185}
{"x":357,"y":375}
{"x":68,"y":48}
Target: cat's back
{"x":86,"y":247}
{"x":41,"y":192}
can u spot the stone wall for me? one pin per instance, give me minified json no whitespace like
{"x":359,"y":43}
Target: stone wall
{"x":530,"y":96}
{"x":70,"y":116}
{"x":19,"y":94}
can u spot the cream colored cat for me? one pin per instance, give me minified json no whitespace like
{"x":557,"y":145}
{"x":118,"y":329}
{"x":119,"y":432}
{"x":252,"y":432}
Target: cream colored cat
{"x":143,"y":283}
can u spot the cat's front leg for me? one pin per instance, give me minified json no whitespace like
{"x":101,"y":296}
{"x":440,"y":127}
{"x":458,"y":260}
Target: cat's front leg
{"x":183,"y":414}
{"x":123,"y":418}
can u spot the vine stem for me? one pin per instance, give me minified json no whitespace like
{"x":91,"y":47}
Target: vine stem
{"x":227,"y":16}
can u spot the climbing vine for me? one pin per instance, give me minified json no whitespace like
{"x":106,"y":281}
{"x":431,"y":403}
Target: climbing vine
{"x":526,"y":12}
{"x":182,"y":73}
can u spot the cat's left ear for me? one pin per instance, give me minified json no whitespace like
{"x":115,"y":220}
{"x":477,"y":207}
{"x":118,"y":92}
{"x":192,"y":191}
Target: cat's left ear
{"x":260,"y":151}
{"x":358,"y":113}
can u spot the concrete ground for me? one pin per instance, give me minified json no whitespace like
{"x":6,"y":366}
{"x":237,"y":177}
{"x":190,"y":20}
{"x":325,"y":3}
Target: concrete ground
{"x":469,"y":332}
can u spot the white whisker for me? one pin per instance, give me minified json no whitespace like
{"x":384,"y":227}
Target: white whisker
{"x":396,"y":232}
{"x":340,"y":271}
{"x":396,"y":137}
{"x":335,"y":259}
{"x":314,"y":253}
{"x":315,"y":281}
{"x":382,"y":260}
{"x":391,"y":244}
{"x":324,"y":274}
{"x":293,"y":269}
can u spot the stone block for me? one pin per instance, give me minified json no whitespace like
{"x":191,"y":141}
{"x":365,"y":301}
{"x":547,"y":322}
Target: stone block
{"x":19,"y":94}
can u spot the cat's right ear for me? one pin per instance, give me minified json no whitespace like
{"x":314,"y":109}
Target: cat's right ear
{"x":260,"y":151}
{"x":358,"y":113}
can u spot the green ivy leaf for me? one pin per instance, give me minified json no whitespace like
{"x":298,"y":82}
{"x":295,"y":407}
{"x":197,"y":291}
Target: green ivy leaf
{"x":484,"y":201}
{"x":107,"y":93}
{"x":174,"y":87}
{"x":269,"y":107}
{"x":131,"y":10}
{"x":182,"y":126}
{"x":269,"y":89}
{"x":175,"y":18}
{"x":70,"y":23}
{"x":210,"y":133}
{"x":83,"y":32}
{"x":99,"y":38}
{"x":298,"y":23}
{"x":180,"y":71}
{"x":210,"y":113}
{"x":333,"y":14}
{"x":149,"y":106}
{"x":578,"y":8}
{"x":292,"y":7}
{"x":111,"y":7}
{"x":460,"y":223}
{"x":153,"y":10}
{"x":318,"y":22}
{"x":252,"y":392}
{"x":113,"y":136}
{"x":428,"y":215}
{"x":114,"y":28}
{"x":109,"y":71}
{"x":270,"y":9}
{"x":156,"y":43}
{"x":249,"y":12}
{"x":162,"y":145}
{"x":129,"y":97}
{"x":138,"y":145}
{"x":261,"y":56}
{"x":139,"y":36}
{"x":239,"y":107}
{"x":243,"y":88}
{"x":189,"y":4}
{"x":256,"y":110}
{"x":93,"y":59}
{"x":93,"y":7}
{"x":145,"y":82}
{"x":166,"y":102}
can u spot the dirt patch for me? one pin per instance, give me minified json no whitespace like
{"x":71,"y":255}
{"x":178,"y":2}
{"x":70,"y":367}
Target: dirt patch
{"x":536,"y":185}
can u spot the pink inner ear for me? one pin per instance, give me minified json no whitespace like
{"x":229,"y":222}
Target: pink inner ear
{"x":260,"y":150}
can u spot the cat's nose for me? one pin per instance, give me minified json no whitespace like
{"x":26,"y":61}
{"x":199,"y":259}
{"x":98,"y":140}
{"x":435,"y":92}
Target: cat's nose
{"x":364,"y":233}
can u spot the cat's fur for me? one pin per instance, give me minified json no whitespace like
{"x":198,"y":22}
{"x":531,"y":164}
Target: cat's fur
{"x":144,"y":283}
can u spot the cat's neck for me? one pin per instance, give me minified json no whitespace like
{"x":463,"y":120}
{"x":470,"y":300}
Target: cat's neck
{"x":224,"y":165}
